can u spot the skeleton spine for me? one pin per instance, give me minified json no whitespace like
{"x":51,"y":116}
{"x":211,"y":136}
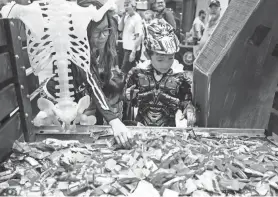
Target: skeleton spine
{"x":63,"y":80}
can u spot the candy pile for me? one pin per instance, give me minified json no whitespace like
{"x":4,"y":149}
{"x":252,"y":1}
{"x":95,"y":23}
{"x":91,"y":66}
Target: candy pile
{"x":164,"y":164}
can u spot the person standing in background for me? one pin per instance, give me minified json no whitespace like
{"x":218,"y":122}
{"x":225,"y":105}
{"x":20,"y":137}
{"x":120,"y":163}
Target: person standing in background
{"x":159,"y":6}
{"x":198,"y":27}
{"x":132,"y":28}
{"x":214,"y":18}
{"x":148,"y":17}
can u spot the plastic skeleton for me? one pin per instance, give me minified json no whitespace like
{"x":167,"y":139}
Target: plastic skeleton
{"x":56,"y":35}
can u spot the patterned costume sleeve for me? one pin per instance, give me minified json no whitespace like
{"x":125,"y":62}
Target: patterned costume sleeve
{"x":130,"y":81}
{"x":107,"y":114}
{"x":186,"y":94}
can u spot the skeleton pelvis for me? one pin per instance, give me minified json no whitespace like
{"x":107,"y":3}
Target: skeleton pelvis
{"x":66,"y":110}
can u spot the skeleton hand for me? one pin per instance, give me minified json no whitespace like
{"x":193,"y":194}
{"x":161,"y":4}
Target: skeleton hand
{"x":42,"y":119}
{"x":6,"y":10}
{"x":112,"y":4}
{"x":87,"y":120}
{"x":46,"y":116}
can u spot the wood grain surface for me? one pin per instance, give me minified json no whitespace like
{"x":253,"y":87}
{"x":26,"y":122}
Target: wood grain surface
{"x":21,"y":84}
{"x":3,"y":40}
{"x":84,"y":133}
{"x":9,"y":132}
{"x":6,"y":70}
{"x":8,"y":101}
{"x":239,"y":67}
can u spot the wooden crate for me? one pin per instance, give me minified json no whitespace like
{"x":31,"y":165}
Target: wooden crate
{"x":235,"y":75}
{"x":15,"y":92}
{"x":273,"y":121}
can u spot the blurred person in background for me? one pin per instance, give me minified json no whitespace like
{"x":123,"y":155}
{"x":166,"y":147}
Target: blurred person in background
{"x":132,"y":28}
{"x":159,"y":7}
{"x":214,"y":18}
{"x":198,"y":27}
{"x":149,"y":15}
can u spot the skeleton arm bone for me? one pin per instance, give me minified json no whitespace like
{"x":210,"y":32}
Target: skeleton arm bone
{"x":97,"y":14}
{"x":29,"y":15}
{"x":10,"y":10}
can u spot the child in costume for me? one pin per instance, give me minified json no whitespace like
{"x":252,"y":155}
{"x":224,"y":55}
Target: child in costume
{"x":160,"y":90}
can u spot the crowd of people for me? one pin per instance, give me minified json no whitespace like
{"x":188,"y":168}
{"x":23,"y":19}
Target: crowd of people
{"x":150,"y":87}
{"x":202,"y":31}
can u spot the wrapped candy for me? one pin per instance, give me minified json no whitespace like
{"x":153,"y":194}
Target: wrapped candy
{"x":196,"y":168}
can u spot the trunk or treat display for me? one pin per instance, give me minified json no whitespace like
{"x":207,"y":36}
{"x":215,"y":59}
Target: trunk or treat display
{"x":164,"y":164}
{"x":57,"y":36}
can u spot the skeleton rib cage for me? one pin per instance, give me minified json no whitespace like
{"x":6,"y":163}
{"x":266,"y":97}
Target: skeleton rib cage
{"x":62,"y":40}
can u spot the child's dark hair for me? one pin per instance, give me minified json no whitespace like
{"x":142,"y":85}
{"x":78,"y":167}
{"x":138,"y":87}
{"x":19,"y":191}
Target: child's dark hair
{"x":149,"y":52}
{"x":201,"y":12}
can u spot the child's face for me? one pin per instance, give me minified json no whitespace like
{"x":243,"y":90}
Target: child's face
{"x":162,"y":63}
{"x":148,"y":17}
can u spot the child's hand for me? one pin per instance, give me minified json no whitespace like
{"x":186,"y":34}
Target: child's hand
{"x":185,"y":119}
{"x":129,"y":90}
{"x":191,"y":118}
{"x":180,"y":120}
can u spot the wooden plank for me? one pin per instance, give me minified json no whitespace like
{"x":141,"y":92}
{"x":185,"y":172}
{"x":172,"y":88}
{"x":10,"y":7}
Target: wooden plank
{"x":275,"y":102}
{"x":33,"y":83}
{"x":239,"y":64}
{"x":5,"y":66}
{"x":8,"y":134}
{"x":273,"y":139}
{"x":273,"y":123}
{"x":83,"y":133}
{"x":34,"y":104}
{"x":21,"y":84}
{"x":200,"y":99}
{"x":25,"y":58}
{"x":22,"y":33}
{"x":3,"y":40}
{"x":274,"y":111}
{"x":8,"y":101}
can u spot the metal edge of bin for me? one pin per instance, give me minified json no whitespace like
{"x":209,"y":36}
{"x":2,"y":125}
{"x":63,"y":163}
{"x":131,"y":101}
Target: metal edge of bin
{"x":273,"y":139}
{"x":84,"y":133}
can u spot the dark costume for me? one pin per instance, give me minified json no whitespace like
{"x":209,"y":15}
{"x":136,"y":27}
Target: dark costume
{"x":158,"y":101}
